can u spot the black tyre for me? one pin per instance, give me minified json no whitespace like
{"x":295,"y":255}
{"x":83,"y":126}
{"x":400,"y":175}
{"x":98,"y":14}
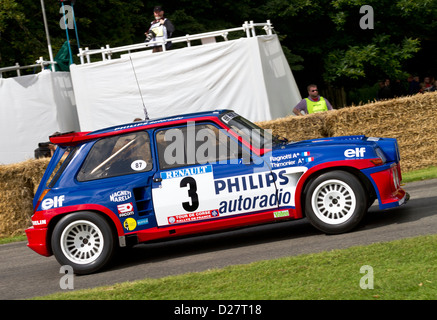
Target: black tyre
{"x":335,"y":202}
{"x":83,"y":240}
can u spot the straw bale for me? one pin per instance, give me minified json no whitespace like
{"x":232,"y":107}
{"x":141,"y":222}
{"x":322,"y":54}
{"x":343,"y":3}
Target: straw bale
{"x":411,"y":120}
{"x":297,"y":128}
{"x":18,"y":184}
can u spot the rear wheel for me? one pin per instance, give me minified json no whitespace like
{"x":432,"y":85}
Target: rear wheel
{"x":83,"y":240}
{"x":335,"y":202}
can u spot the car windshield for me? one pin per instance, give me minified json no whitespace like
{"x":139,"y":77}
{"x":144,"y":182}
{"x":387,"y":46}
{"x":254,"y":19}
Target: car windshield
{"x":258,"y":137}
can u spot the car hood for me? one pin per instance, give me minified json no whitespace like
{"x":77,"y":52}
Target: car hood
{"x":310,"y":152}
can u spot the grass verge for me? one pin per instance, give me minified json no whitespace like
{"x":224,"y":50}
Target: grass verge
{"x":402,"y":269}
{"x":419,"y":175}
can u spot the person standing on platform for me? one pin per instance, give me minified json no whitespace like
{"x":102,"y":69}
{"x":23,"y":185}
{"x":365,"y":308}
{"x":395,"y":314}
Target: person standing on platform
{"x":160,"y":29}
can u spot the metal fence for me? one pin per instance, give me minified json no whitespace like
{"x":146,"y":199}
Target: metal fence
{"x":41,"y":63}
{"x":249,"y":28}
{"x":205,"y":38}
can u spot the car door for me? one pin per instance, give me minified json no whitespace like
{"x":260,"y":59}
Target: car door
{"x":117,"y":173}
{"x":205,"y":173}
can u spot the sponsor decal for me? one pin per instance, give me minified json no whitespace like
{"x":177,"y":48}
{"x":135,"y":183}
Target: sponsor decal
{"x":186,"y":172}
{"x":229,"y":116}
{"x":224,"y":195}
{"x":291,"y":159}
{"x":250,"y":182}
{"x":130,"y":224}
{"x":143,"y":222}
{"x":239,"y":202}
{"x":193,"y":216}
{"x":120,"y":196}
{"x":56,"y":202}
{"x":264,"y":201}
{"x":280,"y":214}
{"x":355,"y":153}
{"x":39,"y":222}
{"x":125,"y":209}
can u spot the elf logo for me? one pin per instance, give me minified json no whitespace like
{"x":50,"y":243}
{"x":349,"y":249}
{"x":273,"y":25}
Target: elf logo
{"x":355,"y":153}
{"x":56,"y":202}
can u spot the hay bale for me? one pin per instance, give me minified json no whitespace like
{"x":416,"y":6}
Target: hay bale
{"x":297,"y":128}
{"x":18,"y":183}
{"x":412,"y":120}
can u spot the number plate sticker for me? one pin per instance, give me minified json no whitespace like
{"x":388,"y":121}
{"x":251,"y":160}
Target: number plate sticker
{"x":185,"y":195}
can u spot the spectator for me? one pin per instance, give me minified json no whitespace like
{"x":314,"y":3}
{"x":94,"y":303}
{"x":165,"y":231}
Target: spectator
{"x":314,"y":103}
{"x":414,"y":86}
{"x":426,"y":85}
{"x":398,"y":89}
{"x":160,"y":29}
{"x":385,"y":90}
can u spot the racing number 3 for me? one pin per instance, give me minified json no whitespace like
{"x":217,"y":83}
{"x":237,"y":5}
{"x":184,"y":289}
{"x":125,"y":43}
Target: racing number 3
{"x":191,"y":193}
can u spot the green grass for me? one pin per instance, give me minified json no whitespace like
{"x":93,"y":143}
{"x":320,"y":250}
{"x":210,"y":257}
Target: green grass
{"x":13,"y":239}
{"x":403,"y":269}
{"x":419,"y":175}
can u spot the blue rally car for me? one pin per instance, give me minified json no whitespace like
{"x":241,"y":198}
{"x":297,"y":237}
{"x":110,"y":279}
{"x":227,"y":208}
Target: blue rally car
{"x":199,"y":173}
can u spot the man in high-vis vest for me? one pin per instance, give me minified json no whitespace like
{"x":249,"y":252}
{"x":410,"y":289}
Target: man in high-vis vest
{"x":160,"y":29}
{"x":314,"y":103}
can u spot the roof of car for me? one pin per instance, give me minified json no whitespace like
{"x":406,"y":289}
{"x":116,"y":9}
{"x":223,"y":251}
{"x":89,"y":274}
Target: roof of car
{"x":73,"y":138}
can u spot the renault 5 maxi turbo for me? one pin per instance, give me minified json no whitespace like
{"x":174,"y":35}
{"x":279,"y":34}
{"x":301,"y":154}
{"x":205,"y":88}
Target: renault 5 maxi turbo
{"x":199,"y":173}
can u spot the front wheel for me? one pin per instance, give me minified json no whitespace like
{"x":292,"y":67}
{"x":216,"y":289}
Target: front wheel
{"x":83,"y":240}
{"x":335,"y":202}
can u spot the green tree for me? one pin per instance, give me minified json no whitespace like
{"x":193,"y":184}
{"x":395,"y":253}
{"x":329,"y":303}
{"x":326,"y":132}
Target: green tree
{"x":322,"y":39}
{"x":328,"y":35}
{"x":99,"y":22}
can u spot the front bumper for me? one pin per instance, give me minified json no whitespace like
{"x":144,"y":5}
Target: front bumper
{"x":37,"y":240}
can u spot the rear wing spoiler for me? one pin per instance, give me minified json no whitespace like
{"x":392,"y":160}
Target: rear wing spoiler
{"x":70,"y":138}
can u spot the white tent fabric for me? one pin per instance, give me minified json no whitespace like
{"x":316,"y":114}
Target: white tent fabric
{"x":32,"y":108}
{"x":248,"y":75}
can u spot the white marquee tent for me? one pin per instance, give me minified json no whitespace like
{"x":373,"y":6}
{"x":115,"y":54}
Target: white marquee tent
{"x":32,"y":108}
{"x":249,"y":75}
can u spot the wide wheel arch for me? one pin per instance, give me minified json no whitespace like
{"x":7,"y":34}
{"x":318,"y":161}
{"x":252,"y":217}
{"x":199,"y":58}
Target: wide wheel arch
{"x":86,"y":226}
{"x":367,"y":185}
{"x":54,"y":221}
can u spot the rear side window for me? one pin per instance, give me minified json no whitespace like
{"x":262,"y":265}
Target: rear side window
{"x":116,"y":156}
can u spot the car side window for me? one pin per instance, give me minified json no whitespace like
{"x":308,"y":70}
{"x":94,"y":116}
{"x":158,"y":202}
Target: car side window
{"x":118,"y":155}
{"x":195,"y":144}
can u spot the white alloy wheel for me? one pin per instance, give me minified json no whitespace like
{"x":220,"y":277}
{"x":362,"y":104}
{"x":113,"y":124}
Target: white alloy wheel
{"x":82,"y":242}
{"x":333,"y":201}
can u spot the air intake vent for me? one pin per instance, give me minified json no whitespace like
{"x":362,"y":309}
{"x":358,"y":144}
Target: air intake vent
{"x":143,"y":200}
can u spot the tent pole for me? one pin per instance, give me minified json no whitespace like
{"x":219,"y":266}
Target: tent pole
{"x":47,"y":35}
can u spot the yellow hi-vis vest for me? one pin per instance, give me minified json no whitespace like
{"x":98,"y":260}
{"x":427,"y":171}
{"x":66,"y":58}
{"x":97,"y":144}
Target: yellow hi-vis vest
{"x":316,"y":106}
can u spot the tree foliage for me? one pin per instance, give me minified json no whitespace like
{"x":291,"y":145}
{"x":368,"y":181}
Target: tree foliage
{"x":322,"y":39}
